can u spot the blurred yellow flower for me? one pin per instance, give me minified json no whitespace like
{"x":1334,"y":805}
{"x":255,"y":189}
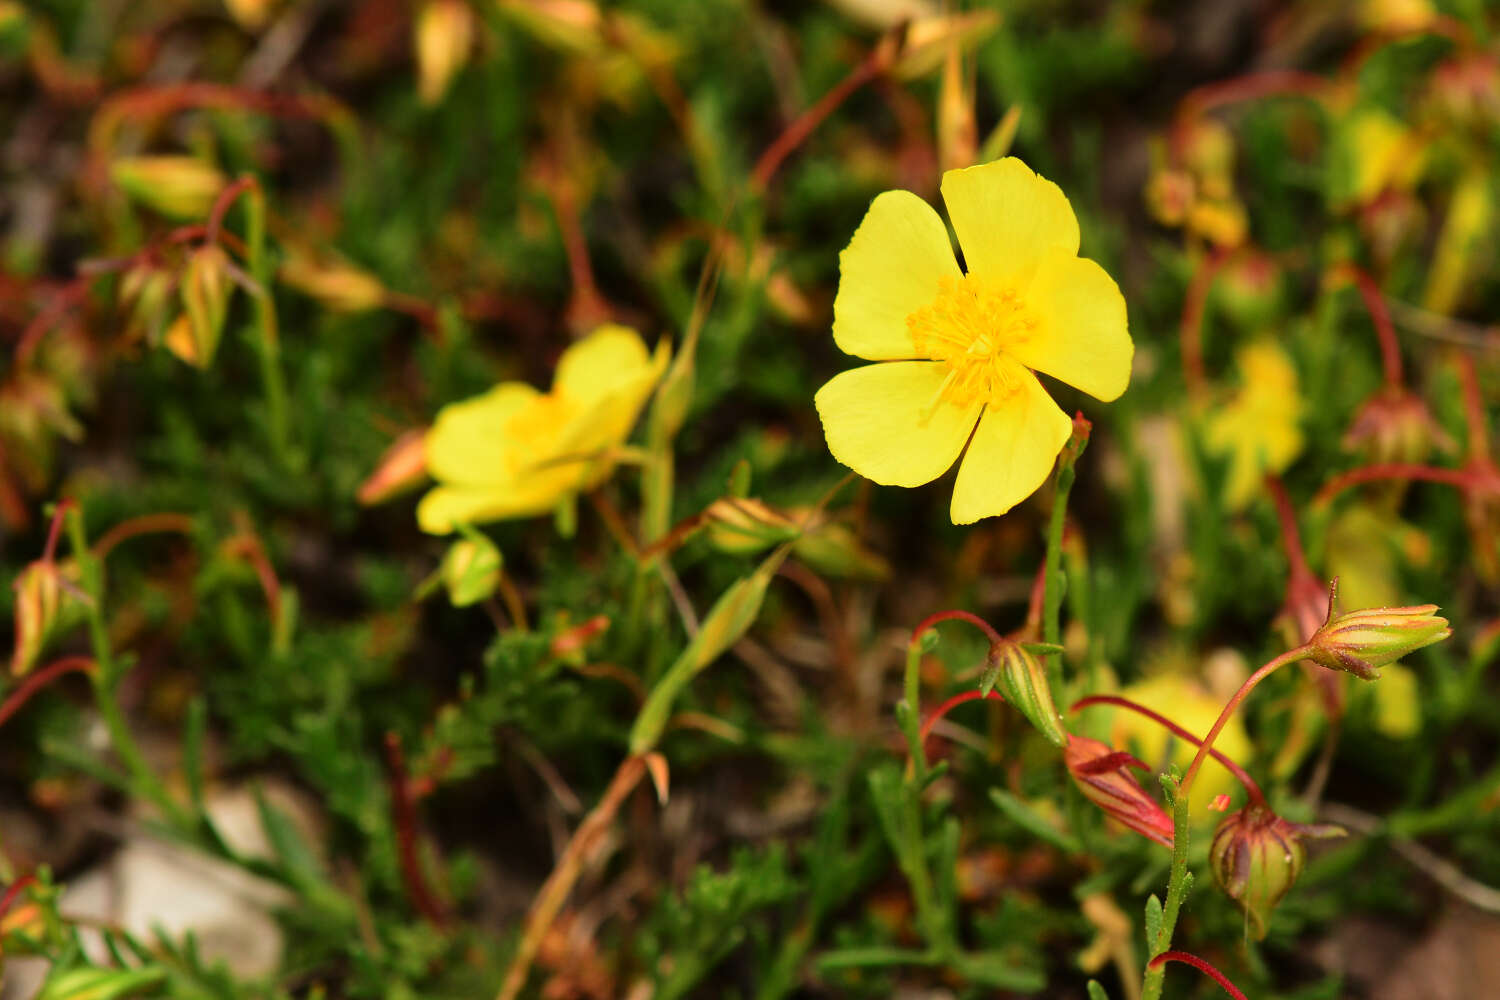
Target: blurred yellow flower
{"x":517,"y":452}
{"x":1259,"y":429}
{"x":959,"y":349}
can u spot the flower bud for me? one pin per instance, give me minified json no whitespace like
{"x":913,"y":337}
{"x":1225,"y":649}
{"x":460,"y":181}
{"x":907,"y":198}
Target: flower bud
{"x":1101,"y":775}
{"x":444,"y":36}
{"x":1170,"y":194}
{"x":1022,"y":678}
{"x":194,"y":337}
{"x":1394,"y":425}
{"x":182,"y":187}
{"x":335,"y":284}
{"x":403,"y":466}
{"x":146,"y":290}
{"x":742,"y":527}
{"x":1361,"y":642}
{"x":471,"y":570}
{"x":39,"y":597}
{"x":1257,"y":856}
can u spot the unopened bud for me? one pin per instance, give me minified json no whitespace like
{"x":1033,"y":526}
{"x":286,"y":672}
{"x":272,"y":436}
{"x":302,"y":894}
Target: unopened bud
{"x":834,"y":549}
{"x":1249,"y":288}
{"x":205,"y":303}
{"x":336,"y":285}
{"x":1394,"y":425}
{"x":741,"y":527}
{"x":146,"y":290}
{"x":1022,"y":679}
{"x":471,"y":569}
{"x":927,"y":39}
{"x":1257,"y":856}
{"x":1222,"y":222}
{"x":1361,"y":642}
{"x":402,"y":467}
{"x":1170,"y":195}
{"x":39,"y":598}
{"x":182,"y":187}
{"x":444,"y":36}
{"x":1101,"y":774}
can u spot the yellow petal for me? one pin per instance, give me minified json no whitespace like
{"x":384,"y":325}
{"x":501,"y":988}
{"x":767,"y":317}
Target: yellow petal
{"x":1011,"y":454}
{"x":468,"y":443}
{"x":610,"y":357}
{"x":887,"y":422}
{"x":1007,"y":219}
{"x":606,"y":417}
{"x":1080,"y":337}
{"x":446,"y":506}
{"x":890,"y":269}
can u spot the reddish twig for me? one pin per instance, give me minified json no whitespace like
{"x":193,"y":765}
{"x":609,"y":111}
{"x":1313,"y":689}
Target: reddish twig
{"x":1190,"y":328}
{"x":1108,"y":699}
{"x":247,"y":546}
{"x":1270,"y":83}
{"x":1291,"y":535}
{"x":949,"y":705}
{"x":1380,"y":315}
{"x":1474,"y":417}
{"x":147,"y":524}
{"x":1464,"y":479}
{"x":223,"y":202}
{"x":1186,"y":958}
{"x":35,"y":682}
{"x":404,"y":816}
{"x":956,"y":615}
{"x":873,"y":64}
{"x":13,"y":892}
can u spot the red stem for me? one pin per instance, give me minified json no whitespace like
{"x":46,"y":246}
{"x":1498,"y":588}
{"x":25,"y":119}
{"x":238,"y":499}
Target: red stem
{"x":949,"y":705}
{"x":222,"y":204}
{"x":955,"y":614}
{"x":1190,"y":329}
{"x":1204,"y":748}
{"x":34,"y":683}
{"x":1380,"y":315}
{"x":54,"y":531}
{"x":1291,"y":536}
{"x":13,"y":891}
{"x":1479,"y":433}
{"x":1461,"y":478}
{"x":146,"y":524}
{"x":404,"y":815}
{"x":1109,"y":699}
{"x":804,"y":125}
{"x":1270,"y":83}
{"x":1208,"y":970}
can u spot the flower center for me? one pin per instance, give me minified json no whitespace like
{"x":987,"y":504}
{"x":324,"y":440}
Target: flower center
{"x":969,"y":326}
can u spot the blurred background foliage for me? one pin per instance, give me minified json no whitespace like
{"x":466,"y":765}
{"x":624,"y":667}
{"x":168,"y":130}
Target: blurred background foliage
{"x":246,"y":246}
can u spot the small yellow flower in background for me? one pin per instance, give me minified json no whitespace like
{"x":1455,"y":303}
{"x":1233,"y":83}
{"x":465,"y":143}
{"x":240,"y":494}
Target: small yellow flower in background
{"x":958,"y":350}
{"x":1373,"y":154}
{"x":1258,"y":430}
{"x":517,"y":452}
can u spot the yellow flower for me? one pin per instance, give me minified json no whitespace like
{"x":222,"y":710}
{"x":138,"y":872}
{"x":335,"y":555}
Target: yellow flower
{"x":1258,"y":430}
{"x":517,"y":452}
{"x":958,"y":349}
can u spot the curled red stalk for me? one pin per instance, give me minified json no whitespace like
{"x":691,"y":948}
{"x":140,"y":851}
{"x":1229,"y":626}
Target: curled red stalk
{"x":35,"y":682}
{"x":1240,"y":773}
{"x":1190,"y":327}
{"x":1251,"y":86}
{"x":955,"y":614}
{"x":1187,"y":958}
{"x":949,"y":705}
{"x":13,"y":892}
{"x":1380,"y":315}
